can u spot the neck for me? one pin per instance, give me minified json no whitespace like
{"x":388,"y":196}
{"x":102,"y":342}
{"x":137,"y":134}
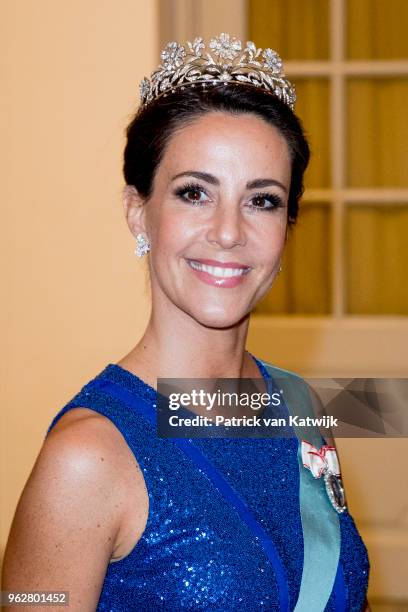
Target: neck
{"x":176,"y":345}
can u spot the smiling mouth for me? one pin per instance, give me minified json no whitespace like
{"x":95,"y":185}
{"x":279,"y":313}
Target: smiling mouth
{"x":218,"y":271}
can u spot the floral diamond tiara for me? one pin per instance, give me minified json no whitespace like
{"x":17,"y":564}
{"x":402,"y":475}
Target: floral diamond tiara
{"x":223,"y":62}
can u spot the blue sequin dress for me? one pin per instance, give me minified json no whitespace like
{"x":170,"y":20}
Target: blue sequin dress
{"x":197,"y":552}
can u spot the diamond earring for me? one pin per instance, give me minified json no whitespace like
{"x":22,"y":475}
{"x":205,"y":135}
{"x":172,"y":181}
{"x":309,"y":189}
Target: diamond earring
{"x":142,"y":245}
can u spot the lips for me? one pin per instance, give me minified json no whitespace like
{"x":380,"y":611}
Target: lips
{"x":220,"y":264}
{"x":221,"y":274}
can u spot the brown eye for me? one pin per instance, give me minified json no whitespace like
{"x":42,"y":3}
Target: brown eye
{"x":266,"y":201}
{"x":194,"y":195}
{"x":259,"y":201}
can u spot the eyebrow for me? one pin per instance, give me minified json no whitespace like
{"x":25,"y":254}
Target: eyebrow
{"x":210,"y":178}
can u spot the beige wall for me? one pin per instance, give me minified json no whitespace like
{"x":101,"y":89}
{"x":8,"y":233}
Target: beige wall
{"x":73,"y":293}
{"x":73,"y":296}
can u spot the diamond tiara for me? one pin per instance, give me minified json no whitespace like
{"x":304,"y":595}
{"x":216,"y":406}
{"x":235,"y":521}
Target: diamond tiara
{"x":224,"y":61}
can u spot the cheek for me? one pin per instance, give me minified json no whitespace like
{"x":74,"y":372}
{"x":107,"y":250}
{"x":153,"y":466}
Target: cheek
{"x":172,"y":232}
{"x":271,"y":240}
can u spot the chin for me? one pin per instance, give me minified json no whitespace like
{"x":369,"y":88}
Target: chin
{"x":219,"y":319}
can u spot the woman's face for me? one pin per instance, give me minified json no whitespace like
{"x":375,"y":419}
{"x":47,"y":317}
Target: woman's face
{"x":217,"y":217}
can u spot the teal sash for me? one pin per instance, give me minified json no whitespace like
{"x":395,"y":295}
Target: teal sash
{"x":320,"y":521}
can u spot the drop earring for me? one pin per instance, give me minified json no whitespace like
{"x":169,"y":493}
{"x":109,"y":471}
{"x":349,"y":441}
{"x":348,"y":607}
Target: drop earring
{"x":142,"y":245}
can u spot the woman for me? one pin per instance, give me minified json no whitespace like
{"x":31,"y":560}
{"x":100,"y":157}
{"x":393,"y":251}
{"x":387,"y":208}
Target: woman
{"x":125,"y":520}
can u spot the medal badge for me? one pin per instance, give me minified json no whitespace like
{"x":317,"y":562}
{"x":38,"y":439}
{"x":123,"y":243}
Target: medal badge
{"x":323,"y":462}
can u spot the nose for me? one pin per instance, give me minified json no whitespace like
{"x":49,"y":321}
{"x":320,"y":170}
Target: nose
{"x":227,"y":227}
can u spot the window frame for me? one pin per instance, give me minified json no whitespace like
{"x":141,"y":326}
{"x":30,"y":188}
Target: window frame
{"x":339,"y":343}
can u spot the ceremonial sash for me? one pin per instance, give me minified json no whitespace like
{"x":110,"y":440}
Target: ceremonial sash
{"x":320,"y":522}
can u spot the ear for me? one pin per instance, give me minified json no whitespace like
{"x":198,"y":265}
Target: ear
{"x":133,"y":206}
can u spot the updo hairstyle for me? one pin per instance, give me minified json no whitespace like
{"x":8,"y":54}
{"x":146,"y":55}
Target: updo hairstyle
{"x":152,"y":127}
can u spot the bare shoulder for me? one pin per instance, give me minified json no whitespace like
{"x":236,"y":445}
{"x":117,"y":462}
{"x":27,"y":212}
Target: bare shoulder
{"x":74,"y":515}
{"x":102,"y":447}
{"x":88,"y":445}
{"x":100,"y":440}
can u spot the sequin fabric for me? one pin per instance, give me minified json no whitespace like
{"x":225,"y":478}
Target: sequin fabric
{"x":196,"y":553}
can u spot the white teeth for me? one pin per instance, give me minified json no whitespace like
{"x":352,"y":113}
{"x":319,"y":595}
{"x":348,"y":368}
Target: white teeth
{"x":217,"y":271}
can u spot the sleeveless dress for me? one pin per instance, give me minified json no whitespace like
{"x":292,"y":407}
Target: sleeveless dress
{"x":225,"y":529}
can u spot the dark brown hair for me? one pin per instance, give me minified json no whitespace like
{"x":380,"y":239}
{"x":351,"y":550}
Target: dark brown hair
{"x":152,"y":127}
